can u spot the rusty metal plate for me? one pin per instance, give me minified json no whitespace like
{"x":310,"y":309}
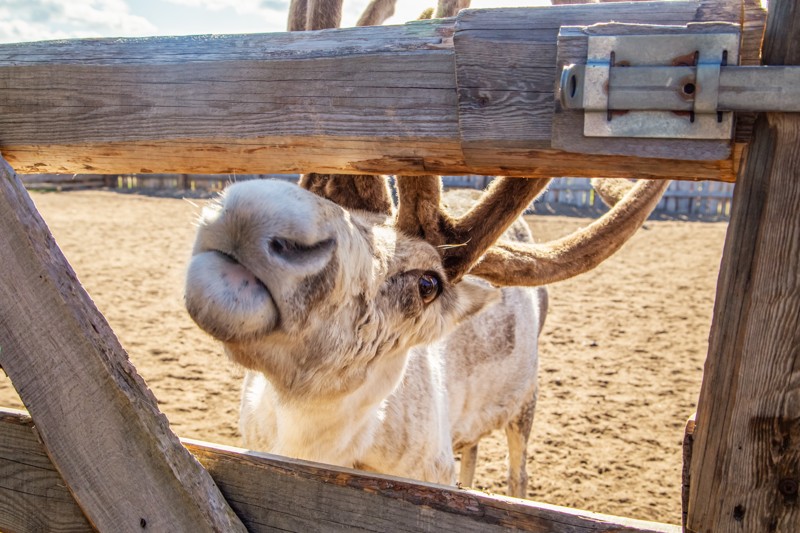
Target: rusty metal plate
{"x":706,"y":52}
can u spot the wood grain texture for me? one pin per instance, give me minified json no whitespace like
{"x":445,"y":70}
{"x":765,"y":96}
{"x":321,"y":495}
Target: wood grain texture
{"x":33,"y":497}
{"x":339,"y":91}
{"x":746,"y":453}
{"x":358,"y":100}
{"x":686,"y":470}
{"x":526,"y":50}
{"x":313,"y":497}
{"x":275,"y":493}
{"x":98,"y":421}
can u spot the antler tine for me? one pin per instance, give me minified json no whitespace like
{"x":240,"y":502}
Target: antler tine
{"x":323,"y":14}
{"x":510,"y":263}
{"x":480,"y":227}
{"x":611,"y":190}
{"x":462,"y":241}
{"x":369,"y":193}
{"x":450,"y":8}
{"x":297,"y":15}
{"x":376,"y":12}
{"x":419,"y":211}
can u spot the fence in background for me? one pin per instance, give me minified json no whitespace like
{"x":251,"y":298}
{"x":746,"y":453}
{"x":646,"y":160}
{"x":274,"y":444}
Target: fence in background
{"x":704,"y":198}
{"x":691,"y":198}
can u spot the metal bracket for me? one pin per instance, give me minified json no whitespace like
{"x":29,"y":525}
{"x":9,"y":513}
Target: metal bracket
{"x":694,"y":62}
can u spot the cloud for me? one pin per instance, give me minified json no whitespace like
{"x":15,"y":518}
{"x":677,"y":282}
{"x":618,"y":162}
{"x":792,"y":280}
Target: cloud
{"x":31,"y":20}
{"x":272,"y":10}
{"x":276,"y":5}
{"x":262,"y":8}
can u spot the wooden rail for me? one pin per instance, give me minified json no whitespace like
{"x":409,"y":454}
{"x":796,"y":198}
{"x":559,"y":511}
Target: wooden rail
{"x":471,"y":95}
{"x":272,"y":493}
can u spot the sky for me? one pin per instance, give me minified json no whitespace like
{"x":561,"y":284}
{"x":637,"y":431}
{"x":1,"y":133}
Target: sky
{"x":37,"y":20}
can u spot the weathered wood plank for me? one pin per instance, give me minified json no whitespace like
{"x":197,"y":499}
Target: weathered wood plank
{"x":271,"y":493}
{"x":99,"y":422}
{"x":377,"y":99}
{"x":746,"y":454}
{"x":33,"y":497}
{"x":524,"y":112}
{"x":686,"y":470}
{"x":279,"y":102}
{"x":344,"y":499}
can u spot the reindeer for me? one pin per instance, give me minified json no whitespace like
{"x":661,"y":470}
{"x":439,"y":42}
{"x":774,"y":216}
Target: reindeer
{"x":384,"y":338}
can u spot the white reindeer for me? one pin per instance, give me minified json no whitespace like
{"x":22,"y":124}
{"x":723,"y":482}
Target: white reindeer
{"x":372,"y":336}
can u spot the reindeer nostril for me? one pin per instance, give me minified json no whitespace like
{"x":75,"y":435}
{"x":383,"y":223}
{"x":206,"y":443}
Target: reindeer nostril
{"x":295,"y":251}
{"x":278,"y":246}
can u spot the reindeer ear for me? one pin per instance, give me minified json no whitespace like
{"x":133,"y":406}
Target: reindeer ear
{"x":473,"y":296}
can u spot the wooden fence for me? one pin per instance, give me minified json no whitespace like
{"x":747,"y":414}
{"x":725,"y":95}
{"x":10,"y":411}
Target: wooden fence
{"x":693,"y":198}
{"x":95,"y":420}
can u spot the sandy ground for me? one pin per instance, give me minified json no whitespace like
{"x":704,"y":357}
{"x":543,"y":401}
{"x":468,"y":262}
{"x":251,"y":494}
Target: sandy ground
{"x":621,"y":355}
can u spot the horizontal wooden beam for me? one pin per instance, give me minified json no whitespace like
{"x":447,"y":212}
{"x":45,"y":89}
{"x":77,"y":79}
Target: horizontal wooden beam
{"x":270,"y":493}
{"x":472,"y":95}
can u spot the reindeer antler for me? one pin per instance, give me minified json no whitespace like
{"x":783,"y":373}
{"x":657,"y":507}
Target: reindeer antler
{"x":376,"y":13}
{"x":611,"y":190}
{"x":510,"y":263}
{"x":467,"y":243}
{"x":462,"y":241}
{"x":297,"y":15}
{"x":366,"y":192}
{"x":449,"y":8}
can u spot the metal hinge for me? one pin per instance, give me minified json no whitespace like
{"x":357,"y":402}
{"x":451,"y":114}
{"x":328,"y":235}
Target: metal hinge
{"x":672,"y":86}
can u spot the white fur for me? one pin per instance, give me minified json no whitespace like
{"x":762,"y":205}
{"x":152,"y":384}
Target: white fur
{"x":345,"y":365}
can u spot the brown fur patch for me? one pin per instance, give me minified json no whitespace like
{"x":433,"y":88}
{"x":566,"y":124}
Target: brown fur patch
{"x":313,"y":291}
{"x":364,"y":192}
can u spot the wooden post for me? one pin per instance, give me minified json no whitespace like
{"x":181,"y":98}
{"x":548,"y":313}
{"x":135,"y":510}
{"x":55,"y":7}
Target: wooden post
{"x":98,"y":421}
{"x":746,"y":459}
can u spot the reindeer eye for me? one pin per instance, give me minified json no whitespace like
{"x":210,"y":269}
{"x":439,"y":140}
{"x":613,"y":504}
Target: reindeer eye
{"x":429,"y":287}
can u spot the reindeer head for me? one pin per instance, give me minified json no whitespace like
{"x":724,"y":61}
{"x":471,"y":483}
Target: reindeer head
{"x":298,"y":287}
{"x":325,"y":286}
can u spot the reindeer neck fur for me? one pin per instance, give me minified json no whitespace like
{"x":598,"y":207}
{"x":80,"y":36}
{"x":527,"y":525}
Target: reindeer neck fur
{"x":322,"y":302}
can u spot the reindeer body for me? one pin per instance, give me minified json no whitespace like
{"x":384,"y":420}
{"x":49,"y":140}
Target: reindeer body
{"x":451,"y":393}
{"x":371,"y":335}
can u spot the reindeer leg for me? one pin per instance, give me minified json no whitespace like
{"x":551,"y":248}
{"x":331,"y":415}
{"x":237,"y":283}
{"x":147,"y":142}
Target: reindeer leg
{"x":517,"y":432}
{"x":469,"y":458}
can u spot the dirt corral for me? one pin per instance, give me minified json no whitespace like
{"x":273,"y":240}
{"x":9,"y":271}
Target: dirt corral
{"x":621,"y":354}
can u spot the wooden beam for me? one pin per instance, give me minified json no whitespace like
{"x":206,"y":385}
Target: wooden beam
{"x":99,"y":423}
{"x":472,"y":95}
{"x":33,"y":496}
{"x":275,"y":493}
{"x":746,"y":454}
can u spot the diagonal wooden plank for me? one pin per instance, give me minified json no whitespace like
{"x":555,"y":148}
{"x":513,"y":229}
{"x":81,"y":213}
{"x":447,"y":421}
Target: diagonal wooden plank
{"x":98,"y":421}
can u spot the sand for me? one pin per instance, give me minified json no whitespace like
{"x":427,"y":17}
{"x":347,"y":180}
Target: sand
{"x":621,"y":354}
